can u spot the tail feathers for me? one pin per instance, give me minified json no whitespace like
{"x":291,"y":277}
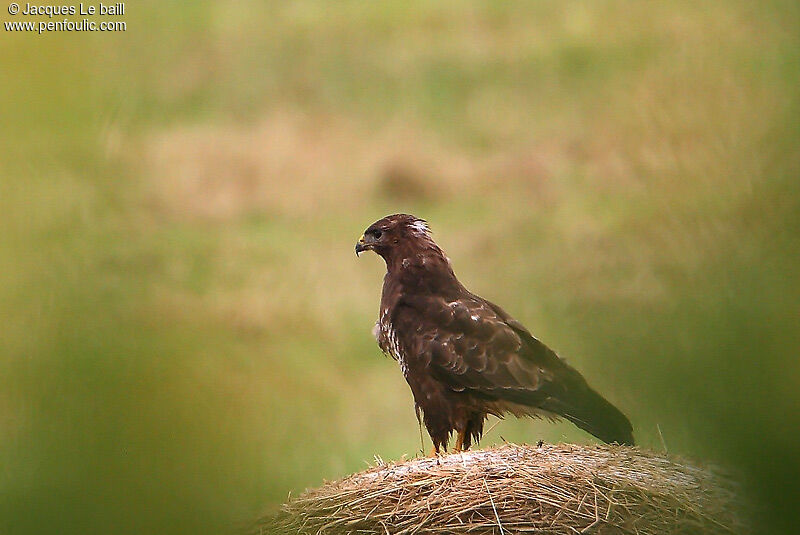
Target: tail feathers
{"x":594,"y":414}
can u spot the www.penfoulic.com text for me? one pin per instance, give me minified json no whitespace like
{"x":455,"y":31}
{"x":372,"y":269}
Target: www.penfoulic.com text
{"x":98,"y":17}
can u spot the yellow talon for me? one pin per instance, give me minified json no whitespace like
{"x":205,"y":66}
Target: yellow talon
{"x":460,"y":441}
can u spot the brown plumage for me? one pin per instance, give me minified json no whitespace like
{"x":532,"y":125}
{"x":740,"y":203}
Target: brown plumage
{"x":464,"y":357}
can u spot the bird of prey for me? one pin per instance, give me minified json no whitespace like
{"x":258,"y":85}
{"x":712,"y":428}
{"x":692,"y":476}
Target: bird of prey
{"x":463,"y":356}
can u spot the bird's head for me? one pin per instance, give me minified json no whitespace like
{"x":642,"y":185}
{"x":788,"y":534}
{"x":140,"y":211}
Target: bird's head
{"x":395,"y":234}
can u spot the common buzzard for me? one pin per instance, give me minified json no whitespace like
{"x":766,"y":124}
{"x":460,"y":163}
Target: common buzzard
{"x":464,"y":357}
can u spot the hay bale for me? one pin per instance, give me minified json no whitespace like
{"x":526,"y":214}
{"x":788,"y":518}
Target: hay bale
{"x":551,"y":489}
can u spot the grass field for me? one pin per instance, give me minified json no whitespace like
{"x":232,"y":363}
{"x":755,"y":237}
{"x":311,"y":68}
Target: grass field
{"x":186,"y":331}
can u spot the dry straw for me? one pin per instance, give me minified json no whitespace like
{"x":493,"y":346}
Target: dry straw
{"x":551,"y":489}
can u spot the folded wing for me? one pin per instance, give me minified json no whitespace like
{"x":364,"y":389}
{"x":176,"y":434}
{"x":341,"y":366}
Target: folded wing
{"x":474,"y":346}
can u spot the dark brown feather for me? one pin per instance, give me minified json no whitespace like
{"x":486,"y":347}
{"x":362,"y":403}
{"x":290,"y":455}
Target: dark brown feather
{"x":464,"y":357}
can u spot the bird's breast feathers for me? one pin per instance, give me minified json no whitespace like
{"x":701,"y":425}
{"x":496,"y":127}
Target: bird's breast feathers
{"x":386,"y":336}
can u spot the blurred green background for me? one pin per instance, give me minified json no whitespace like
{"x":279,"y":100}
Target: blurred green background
{"x":185,"y":330}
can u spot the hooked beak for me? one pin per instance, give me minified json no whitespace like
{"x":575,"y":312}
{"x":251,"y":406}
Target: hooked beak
{"x":361,"y":246}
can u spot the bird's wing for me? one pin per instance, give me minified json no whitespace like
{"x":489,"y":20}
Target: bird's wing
{"x":471,"y":344}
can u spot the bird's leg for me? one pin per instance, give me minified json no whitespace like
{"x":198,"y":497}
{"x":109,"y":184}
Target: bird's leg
{"x":460,"y":440}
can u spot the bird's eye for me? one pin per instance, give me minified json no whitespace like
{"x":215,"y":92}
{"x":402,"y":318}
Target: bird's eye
{"x":377,"y":233}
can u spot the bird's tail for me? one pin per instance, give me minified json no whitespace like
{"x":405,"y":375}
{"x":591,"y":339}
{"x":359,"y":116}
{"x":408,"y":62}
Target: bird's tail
{"x":593,"y":413}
